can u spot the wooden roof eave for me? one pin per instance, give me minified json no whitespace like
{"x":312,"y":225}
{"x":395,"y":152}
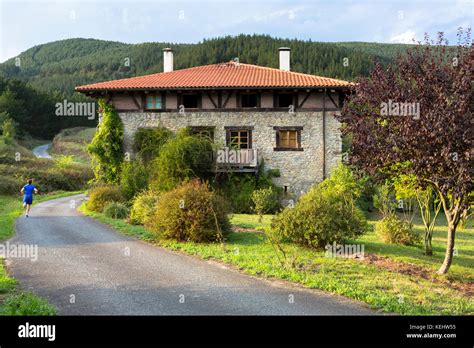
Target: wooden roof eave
{"x":299,"y":88}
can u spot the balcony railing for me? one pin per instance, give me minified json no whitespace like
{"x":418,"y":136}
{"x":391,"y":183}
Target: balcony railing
{"x":236,"y":160}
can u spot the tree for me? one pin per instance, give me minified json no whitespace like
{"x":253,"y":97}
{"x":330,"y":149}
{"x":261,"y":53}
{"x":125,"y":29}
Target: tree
{"x":424,"y":198}
{"x":407,"y":189}
{"x":182,"y":158}
{"x":419,"y":112}
{"x":8,"y":129}
{"x":264,"y":200}
{"x":405,"y":194}
{"x":106,"y":146}
{"x":384,"y":199}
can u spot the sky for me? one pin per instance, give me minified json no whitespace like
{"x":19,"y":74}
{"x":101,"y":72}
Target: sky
{"x":24,"y":24}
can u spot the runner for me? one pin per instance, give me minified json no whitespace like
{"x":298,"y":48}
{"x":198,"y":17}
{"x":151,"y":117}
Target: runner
{"x":28,"y":191}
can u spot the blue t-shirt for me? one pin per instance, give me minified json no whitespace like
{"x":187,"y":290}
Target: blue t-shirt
{"x":29,"y":189}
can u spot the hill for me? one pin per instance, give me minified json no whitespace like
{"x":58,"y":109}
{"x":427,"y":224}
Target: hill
{"x":61,"y":65}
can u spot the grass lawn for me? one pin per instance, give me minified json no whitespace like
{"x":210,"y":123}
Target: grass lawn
{"x":13,"y":301}
{"x":72,"y":142}
{"x":382,"y":289}
{"x":461,"y":270}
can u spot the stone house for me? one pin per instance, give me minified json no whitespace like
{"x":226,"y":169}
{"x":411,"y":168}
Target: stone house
{"x":253,"y":113}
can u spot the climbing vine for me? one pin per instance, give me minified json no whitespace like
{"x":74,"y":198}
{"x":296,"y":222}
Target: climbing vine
{"x":106,"y":146}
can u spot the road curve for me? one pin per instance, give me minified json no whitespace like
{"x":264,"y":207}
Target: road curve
{"x":42,"y":151}
{"x":86,"y":268}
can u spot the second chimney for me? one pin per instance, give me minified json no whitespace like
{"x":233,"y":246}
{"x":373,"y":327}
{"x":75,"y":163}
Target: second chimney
{"x":167,"y":59}
{"x":285,"y":58}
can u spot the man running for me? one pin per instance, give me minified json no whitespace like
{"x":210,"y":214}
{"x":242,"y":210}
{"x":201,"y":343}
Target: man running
{"x":28,"y":191}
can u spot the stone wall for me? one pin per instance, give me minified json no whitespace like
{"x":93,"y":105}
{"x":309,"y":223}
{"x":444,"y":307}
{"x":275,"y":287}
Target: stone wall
{"x":299,"y":169}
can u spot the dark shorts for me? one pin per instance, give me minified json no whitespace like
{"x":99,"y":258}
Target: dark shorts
{"x":28,"y":200}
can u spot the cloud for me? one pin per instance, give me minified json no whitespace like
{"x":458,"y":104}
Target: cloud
{"x":24,"y":24}
{"x":407,"y":37}
{"x":264,"y":16}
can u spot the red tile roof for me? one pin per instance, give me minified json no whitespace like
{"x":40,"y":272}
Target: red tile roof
{"x":224,"y":75}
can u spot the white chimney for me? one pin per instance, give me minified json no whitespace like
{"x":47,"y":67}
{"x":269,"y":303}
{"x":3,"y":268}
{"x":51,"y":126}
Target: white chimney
{"x":285,"y":58}
{"x":167,"y":59}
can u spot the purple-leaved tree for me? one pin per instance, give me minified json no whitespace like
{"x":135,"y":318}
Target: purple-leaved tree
{"x":415,"y":117}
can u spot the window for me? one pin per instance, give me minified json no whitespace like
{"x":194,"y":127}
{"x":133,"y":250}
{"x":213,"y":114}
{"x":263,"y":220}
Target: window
{"x":203,"y":132}
{"x":284,"y":100}
{"x":191,"y":101}
{"x":239,"y":138}
{"x":153,"y":102}
{"x":288,"y":138}
{"x":249,"y":100}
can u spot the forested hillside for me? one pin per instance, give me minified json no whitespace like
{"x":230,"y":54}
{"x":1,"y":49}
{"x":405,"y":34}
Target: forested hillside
{"x":47,"y":74}
{"x":61,"y":65}
{"x":25,"y":111}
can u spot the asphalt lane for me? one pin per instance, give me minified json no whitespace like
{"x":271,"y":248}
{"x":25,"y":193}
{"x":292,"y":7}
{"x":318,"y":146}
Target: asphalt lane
{"x":42,"y":151}
{"x":86,"y":268}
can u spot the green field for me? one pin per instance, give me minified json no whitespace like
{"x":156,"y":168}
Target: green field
{"x":72,"y":142}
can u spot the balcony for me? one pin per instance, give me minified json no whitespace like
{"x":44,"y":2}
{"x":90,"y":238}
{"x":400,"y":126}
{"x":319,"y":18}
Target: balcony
{"x":236,"y":160}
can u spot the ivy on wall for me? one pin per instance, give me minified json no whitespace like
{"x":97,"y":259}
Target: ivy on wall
{"x":106,"y":146}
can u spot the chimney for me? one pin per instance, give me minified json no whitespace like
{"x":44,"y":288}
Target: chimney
{"x":285,"y":58}
{"x":167,"y":59}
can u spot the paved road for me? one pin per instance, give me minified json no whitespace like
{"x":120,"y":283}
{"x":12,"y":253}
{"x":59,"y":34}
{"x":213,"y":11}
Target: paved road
{"x":102,"y":272}
{"x":42,"y":151}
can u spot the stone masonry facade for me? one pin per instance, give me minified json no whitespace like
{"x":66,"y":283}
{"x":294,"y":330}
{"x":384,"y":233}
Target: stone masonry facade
{"x":299,"y":170}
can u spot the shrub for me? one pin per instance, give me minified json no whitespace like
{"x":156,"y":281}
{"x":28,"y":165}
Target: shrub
{"x":384,"y":200}
{"x":54,"y":179}
{"x":265,"y":200}
{"x":9,"y":185}
{"x":63,"y":161}
{"x":100,"y":196}
{"x":116,"y":210}
{"x":345,"y":182}
{"x":190,"y":212}
{"x":148,"y":142}
{"x":73,"y":178}
{"x":182,"y":158}
{"x":78,"y":174}
{"x":239,"y":187}
{"x":11,"y":152}
{"x":143,"y":206}
{"x":134,"y":178}
{"x":366,"y":199}
{"x":325,"y":214}
{"x":46,"y":175}
{"x":392,"y":229}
